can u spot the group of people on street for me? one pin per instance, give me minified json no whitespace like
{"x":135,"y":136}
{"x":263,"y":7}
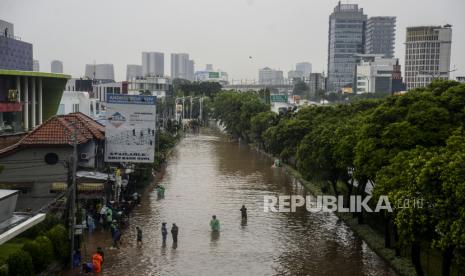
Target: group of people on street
{"x":108,"y":220}
{"x":174,"y":233}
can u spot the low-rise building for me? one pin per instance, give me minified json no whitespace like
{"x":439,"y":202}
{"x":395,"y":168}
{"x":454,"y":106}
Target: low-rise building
{"x":209,"y":74}
{"x":150,"y":85}
{"x":79,"y":101}
{"x":374,"y":73}
{"x":27,"y":99}
{"x":42,"y":157}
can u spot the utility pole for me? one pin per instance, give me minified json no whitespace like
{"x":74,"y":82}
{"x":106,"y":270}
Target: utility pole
{"x":190,"y":109}
{"x":201,"y":102}
{"x":73,"y":193}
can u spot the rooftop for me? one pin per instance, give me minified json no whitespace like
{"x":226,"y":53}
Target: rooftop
{"x":32,"y":74}
{"x":59,"y":130}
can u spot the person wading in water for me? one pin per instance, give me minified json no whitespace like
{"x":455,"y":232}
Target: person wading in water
{"x":164,"y":232}
{"x":174,"y":232}
{"x":215,"y":224}
{"x":244,"y":212}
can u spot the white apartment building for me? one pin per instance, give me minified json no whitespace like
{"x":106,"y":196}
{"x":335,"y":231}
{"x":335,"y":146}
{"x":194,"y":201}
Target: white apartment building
{"x":427,"y":54}
{"x":78,"y":101}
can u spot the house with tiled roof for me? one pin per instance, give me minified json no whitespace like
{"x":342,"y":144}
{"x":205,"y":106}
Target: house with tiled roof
{"x":43,"y":156}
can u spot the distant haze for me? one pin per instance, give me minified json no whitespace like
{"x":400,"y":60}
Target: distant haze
{"x":275,"y":33}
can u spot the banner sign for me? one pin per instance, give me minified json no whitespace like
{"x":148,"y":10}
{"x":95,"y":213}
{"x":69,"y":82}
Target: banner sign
{"x":130,"y":128}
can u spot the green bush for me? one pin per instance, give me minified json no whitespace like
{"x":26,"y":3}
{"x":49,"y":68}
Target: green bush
{"x":33,"y":248}
{"x":59,"y":238}
{"x":41,"y":251}
{"x":3,"y":270}
{"x":20,"y":264}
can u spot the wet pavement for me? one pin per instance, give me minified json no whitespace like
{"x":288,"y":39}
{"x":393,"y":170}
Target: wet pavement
{"x":209,"y":175}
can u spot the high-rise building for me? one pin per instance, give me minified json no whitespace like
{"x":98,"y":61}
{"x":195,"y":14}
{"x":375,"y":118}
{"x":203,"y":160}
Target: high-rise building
{"x":346,"y":38}
{"x":316,"y":83}
{"x":14,"y":53}
{"x":182,"y":67}
{"x":57,"y":67}
{"x":270,"y":76}
{"x":460,"y":79}
{"x":375,"y":73}
{"x":153,"y":64}
{"x":190,"y":70}
{"x":381,"y":35}
{"x":35,"y":65}
{"x":427,"y":54}
{"x":100,"y":72}
{"x":133,"y":71}
{"x":295,"y":74}
{"x":305,"y":68}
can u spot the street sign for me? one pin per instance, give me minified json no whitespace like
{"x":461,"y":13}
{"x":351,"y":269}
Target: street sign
{"x":214,"y":75}
{"x":278,"y":98}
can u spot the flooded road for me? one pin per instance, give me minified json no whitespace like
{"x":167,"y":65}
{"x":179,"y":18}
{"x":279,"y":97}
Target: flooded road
{"x":209,"y":175}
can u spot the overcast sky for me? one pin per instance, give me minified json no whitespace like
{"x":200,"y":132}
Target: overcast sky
{"x":276,"y":33}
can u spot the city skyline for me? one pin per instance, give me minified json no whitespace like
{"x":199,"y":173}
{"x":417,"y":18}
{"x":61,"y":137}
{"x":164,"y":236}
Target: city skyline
{"x":261,"y":38}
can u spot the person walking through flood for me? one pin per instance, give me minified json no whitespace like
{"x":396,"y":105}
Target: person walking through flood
{"x":115,"y":234}
{"x":174,"y":232}
{"x":97,"y":261}
{"x":164,"y":232}
{"x":215,"y":224}
{"x":244,"y":212}
{"x":139,"y":235}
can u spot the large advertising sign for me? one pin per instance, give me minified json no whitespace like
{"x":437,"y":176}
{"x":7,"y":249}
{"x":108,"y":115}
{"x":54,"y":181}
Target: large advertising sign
{"x":130,"y":128}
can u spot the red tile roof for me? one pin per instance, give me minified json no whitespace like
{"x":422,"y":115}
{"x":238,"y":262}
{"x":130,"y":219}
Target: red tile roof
{"x":59,"y":130}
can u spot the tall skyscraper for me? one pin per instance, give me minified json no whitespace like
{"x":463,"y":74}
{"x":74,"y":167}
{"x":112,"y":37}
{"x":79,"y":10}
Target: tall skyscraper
{"x":381,"y":35}
{"x":57,"y":66}
{"x":133,"y":71}
{"x":182,"y":67}
{"x":305,"y":68}
{"x":100,"y":72}
{"x":427,"y":54}
{"x":347,"y":26}
{"x":153,"y":64}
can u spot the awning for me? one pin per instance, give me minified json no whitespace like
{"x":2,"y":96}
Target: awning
{"x":58,"y":187}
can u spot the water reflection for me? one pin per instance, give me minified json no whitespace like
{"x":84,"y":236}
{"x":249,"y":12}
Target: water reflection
{"x":209,"y":175}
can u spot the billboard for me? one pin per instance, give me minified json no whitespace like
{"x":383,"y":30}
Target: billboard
{"x":130,"y":128}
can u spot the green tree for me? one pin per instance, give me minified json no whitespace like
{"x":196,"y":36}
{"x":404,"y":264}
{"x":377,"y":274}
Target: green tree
{"x":300,"y":88}
{"x":260,"y":123}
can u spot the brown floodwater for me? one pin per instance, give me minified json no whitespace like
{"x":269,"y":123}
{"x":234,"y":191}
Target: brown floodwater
{"x":206,"y":175}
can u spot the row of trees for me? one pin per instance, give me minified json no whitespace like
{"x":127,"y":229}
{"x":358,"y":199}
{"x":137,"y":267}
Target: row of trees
{"x":409,"y":147}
